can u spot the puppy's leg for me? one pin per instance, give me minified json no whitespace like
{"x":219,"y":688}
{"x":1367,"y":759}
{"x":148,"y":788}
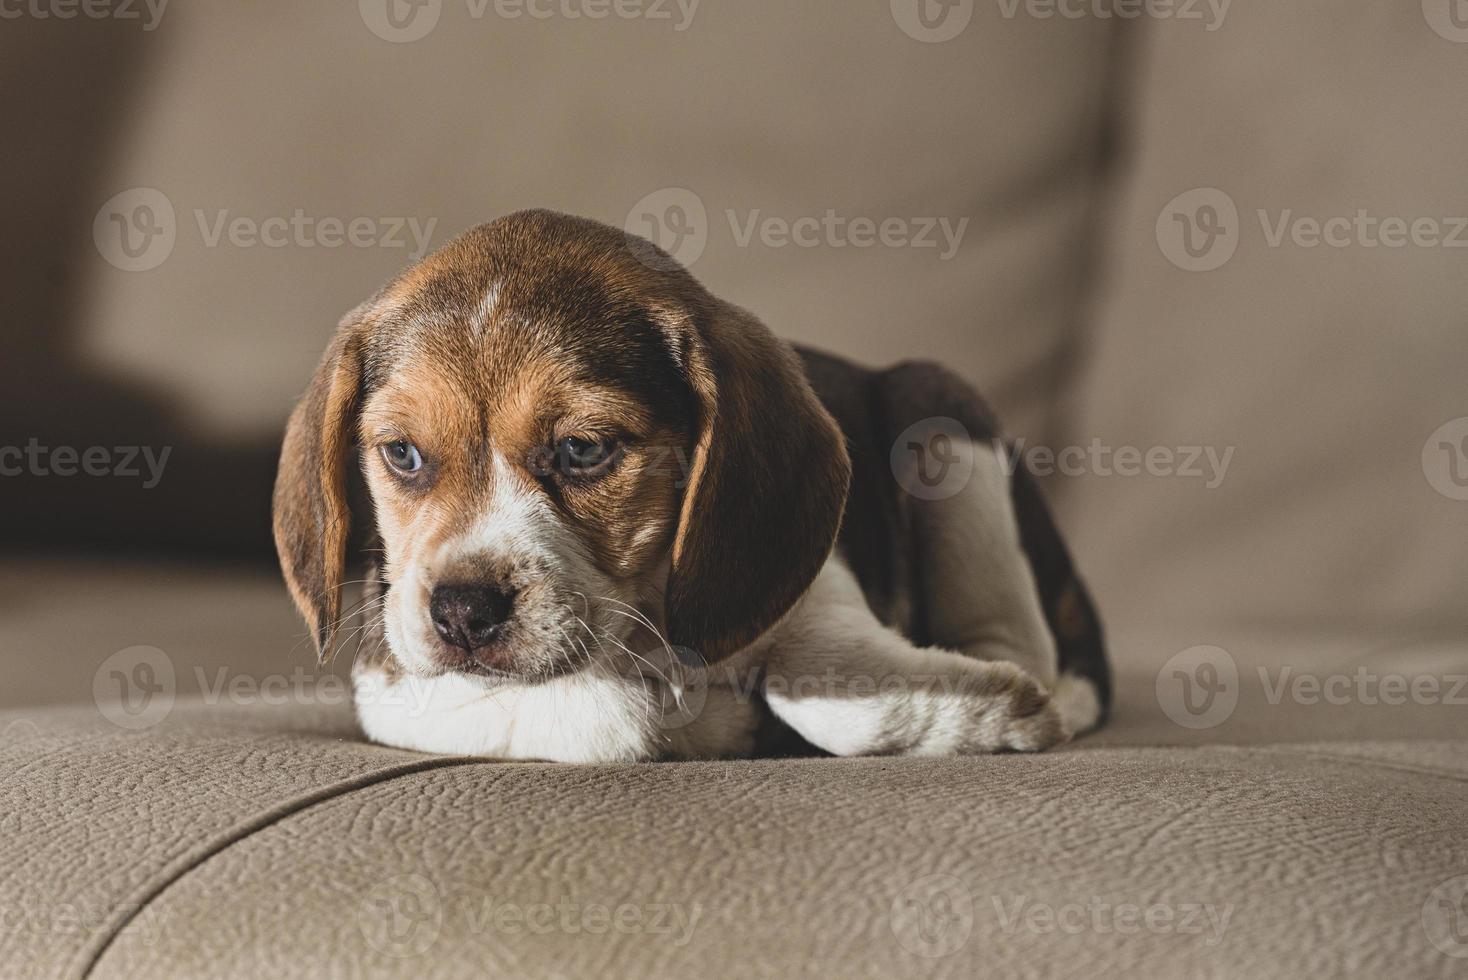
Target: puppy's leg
{"x":851,"y":686}
{"x":982,"y":599}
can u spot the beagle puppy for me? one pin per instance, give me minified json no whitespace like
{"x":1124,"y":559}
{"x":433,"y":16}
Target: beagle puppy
{"x":615,"y":519}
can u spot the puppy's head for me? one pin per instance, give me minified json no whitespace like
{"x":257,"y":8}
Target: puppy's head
{"x":561,"y":443}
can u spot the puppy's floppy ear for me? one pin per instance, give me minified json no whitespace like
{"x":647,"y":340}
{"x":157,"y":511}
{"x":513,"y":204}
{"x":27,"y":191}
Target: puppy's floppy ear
{"x":766,"y":489}
{"x":312,"y":519}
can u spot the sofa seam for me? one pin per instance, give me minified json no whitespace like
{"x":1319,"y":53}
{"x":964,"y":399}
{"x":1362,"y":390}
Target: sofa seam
{"x":85,"y":961}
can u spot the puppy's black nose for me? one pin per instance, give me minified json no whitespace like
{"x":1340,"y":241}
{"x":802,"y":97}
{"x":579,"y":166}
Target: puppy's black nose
{"x":469,"y":616}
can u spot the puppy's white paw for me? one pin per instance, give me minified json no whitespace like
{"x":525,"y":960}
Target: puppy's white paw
{"x":1013,"y":713}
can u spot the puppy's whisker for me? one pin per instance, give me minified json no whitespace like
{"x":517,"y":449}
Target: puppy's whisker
{"x":376,"y":624}
{"x":363,"y":609}
{"x":358,"y":609}
{"x":635,"y":614}
{"x":640,"y":658}
{"x":359,"y":581}
{"x":570,"y":644}
{"x":589,"y":632}
{"x":565,"y":647}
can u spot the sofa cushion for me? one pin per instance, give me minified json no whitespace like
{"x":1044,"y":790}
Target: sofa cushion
{"x":769,"y":113}
{"x":241,"y":842}
{"x":1331,"y":371}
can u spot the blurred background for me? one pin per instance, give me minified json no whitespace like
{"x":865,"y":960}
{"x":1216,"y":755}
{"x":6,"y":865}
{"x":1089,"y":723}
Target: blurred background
{"x":1208,"y":259}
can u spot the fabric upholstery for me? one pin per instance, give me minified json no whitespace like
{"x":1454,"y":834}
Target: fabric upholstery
{"x":762,"y":108}
{"x":1326,"y":369}
{"x":248,"y":842}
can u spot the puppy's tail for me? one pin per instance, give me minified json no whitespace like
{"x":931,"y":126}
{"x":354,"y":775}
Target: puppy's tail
{"x":1079,"y":703}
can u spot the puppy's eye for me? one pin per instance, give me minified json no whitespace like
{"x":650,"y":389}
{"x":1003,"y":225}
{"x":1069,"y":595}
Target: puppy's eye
{"x":403,"y":456}
{"x":585,"y":457}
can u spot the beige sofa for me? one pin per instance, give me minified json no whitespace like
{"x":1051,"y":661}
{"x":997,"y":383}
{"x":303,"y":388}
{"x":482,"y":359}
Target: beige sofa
{"x":1281,"y":791}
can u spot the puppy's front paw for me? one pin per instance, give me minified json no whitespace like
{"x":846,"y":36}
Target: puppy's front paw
{"x":1016,"y":713}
